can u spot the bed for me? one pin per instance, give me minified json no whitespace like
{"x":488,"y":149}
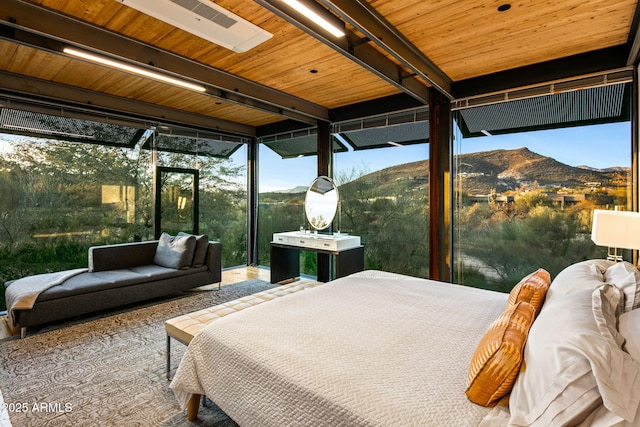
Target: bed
{"x":378,"y":348}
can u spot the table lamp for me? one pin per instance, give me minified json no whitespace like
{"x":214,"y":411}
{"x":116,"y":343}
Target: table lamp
{"x":616,"y":230}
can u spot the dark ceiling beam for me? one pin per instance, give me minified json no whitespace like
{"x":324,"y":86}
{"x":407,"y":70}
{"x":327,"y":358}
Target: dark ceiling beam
{"x":381,"y":33}
{"x":34,"y":19}
{"x":572,"y":66}
{"x":633,"y":41}
{"x":41,"y":90}
{"x":284,"y":126}
{"x":374,"y":107}
{"x":356,"y":49}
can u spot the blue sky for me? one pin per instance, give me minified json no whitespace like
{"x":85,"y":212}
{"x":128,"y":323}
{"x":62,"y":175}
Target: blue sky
{"x":598,"y":146}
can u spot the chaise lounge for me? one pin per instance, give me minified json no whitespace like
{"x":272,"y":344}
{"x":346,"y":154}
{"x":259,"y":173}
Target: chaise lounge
{"x":117,"y":275}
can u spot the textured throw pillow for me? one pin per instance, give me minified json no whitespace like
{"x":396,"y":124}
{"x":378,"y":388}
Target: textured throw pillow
{"x":496,"y":361}
{"x":626,"y":277}
{"x":175,"y":251}
{"x":532,"y":289}
{"x":629,"y":327}
{"x":584,"y":275}
{"x":202,"y":246}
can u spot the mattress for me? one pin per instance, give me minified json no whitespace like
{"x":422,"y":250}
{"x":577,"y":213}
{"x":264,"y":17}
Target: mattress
{"x":373,"y":348}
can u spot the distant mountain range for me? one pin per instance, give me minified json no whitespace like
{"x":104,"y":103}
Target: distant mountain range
{"x":499,"y":170}
{"x":504,"y":170}
{"x":298,"y":189}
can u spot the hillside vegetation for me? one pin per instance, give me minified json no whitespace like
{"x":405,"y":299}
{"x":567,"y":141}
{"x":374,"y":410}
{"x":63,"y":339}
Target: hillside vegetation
{"x":497,"y":241}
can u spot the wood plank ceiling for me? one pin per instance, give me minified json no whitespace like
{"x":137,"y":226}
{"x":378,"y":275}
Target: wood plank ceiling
{"x":297,"y":76}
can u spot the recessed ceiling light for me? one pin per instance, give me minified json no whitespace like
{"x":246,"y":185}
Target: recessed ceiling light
{"x":504,"y":7}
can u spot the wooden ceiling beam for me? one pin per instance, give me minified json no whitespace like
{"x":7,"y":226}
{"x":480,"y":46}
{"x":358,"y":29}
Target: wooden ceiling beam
{"x":36,"y":89}
{"x":31,"y":18}
{"x":356,"y":49}
{"x":381,"y":33}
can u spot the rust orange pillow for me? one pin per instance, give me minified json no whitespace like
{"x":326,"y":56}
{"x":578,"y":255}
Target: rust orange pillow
{"x":497,"y":359}
{"x":532,"y":289}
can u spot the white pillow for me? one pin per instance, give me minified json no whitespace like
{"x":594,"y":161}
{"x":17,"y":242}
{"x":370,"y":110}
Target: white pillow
{"x":585,"y":275}
{"x":629,"y":326}
{"x":626,"y":277}
{"x":573,"y":363}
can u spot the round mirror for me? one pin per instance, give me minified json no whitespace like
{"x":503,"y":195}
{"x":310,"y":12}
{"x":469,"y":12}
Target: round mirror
{"x":321,"y":202}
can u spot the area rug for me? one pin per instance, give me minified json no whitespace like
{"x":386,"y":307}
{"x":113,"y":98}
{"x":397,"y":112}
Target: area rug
{"x":106,"y":371}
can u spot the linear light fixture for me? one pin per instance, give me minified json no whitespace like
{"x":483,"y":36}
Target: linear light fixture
{"x":315,"y":17}
{"x":132,"y":69}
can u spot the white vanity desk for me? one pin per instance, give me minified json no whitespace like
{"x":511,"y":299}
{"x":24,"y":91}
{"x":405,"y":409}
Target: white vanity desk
{"x":320,"y":207}
{"x":310,"y":239}
{"x":285,"y":253}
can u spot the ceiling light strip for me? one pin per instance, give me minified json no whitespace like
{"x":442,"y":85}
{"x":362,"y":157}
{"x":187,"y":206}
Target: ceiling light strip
{"x":321,"y":21}
{"x":133,"y":69}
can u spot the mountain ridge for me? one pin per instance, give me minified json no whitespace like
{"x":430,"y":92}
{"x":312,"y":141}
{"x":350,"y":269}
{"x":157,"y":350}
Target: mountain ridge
{"x":504,"y":170}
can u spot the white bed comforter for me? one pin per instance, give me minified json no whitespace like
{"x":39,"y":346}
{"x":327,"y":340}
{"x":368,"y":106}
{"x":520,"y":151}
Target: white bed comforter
{"x":373,"y":348}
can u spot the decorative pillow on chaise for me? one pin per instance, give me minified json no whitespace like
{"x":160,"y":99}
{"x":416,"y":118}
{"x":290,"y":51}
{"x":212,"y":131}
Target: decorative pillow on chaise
{"x":496,"y":361}
{"x":627,"y":278}
{"x":175,"y":251}
{"x":532,"y":289}
{"x":202,"y":246}
{"x":573,"y":362}
{"x":584,"y":275}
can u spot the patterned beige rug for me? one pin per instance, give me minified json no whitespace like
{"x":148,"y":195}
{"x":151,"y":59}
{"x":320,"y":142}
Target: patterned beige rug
{"x":105,"y":371}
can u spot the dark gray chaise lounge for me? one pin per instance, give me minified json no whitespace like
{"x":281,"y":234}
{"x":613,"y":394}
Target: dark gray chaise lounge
{"x":118,"y":274}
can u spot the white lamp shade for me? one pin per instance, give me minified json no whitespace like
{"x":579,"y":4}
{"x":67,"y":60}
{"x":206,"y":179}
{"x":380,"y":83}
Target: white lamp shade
{"x":616,"y":229}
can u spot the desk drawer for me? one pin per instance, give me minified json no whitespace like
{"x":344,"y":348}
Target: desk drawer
{"x":329,"y":245}
{"x":303,"y":242}
{"x":278,"y":238}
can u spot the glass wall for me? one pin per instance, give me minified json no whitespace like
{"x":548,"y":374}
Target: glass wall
{"x":222,"y":190}
{"x":525,"y":197}
{"x":288,"y":165}
{"x":70,"y":183}
{"x":383,"y":183}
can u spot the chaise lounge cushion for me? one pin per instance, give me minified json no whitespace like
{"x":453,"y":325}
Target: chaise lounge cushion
{"x":175,"y":251}
{"x":118,"y":274}
{"x":98,"y":281}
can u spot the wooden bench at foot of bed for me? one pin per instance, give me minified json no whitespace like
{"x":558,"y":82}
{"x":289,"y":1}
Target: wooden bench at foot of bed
{"x":184,"y":328}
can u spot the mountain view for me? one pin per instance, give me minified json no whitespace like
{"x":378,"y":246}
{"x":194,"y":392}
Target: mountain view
{"x":506,"y":170}
{"x":487,"y":171}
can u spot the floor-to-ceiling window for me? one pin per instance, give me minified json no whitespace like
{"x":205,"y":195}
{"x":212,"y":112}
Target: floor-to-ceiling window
{"x":528,"y":175}
{"x":383,"y":182}
{"x":74,"y":179}
{"x":287,"y":166}
{"x":220,"y":164}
